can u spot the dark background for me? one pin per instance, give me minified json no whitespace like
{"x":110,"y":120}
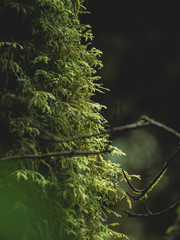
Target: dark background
{"x":140,"y":40}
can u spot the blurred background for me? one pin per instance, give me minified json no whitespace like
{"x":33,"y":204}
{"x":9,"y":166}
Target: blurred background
{"x":140,"y":41}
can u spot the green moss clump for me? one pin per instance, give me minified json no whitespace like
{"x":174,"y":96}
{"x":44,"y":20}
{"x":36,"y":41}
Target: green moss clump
{"x":48,"y":74}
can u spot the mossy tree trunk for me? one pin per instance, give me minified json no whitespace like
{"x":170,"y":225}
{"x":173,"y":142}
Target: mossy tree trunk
{"x":47,"y":75}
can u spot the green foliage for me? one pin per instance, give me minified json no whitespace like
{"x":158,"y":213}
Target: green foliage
{"x":47,"y":72}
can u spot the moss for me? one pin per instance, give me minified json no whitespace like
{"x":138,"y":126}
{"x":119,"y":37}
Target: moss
{"x":48,"y":74}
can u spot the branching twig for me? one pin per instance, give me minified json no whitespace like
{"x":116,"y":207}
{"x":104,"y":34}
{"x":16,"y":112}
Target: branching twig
{"x":46,"y":135}
{"x":145,"y":191}
{"x":148,"y":213}
{"x":145,"y":121}
{"x":130,"y":184}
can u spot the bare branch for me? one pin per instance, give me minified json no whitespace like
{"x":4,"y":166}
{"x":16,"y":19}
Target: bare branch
{"x":51,"y":137}
{"x":145,"y":190}
{"x":139,"y":194}
{"x":53,"y":154}
{"x":161,"y":125}
{"x":145,"y":121}
{"x":46,"y":135}
{"x":148,"y":213}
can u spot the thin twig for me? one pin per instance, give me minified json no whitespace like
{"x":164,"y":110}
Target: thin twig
{"x":161,"y":125}
{"x":147,"y":208}
{"x":51,"y":137}
{"x":145,"y":121}
{"x":130,"y":184}
{"x":145,"y":190}
{"x":53,"y":154}
{"x":149,"y":213}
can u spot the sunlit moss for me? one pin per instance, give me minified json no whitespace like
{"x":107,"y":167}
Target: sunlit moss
{"x":49,"y":75}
